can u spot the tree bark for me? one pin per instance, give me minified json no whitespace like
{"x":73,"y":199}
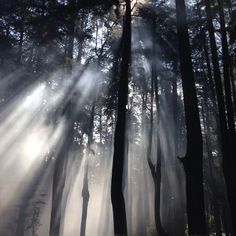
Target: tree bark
{"x":194,"y":156}
{"x":85,"y":194}
{"x":117,"y":198}
{"x":59,"y":178}
{"x":226,"y":72}
{"x":212,"y":182}
{"x":156,"y":170}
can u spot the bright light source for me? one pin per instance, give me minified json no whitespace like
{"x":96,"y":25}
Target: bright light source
{"x":33,"y":145}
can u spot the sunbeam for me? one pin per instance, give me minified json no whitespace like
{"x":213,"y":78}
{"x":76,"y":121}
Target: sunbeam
{"x":117,"y":117}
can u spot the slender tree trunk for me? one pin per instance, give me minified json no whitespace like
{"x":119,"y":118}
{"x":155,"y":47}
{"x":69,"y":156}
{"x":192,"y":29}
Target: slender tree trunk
{"x":210,"y":81}
{"x":226,"y":71}
{"x":194,"y":156}
{"x":85,"y":191}
{"x":233,"y":86}
{"x":178,"y":215}
{"x":81,"y":38}
{"x":230,"y":177}
{"x":217,"y":79}
{"x":175,"y":103}
{"x":117,"y":198}
{"x":85,"y":194}
{"x":144,"y":108}
{"x":212,"y":181}
{"x":59,"y":178}
{"x":155,"y":169}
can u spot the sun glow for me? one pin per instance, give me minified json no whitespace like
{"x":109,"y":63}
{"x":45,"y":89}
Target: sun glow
{"x":33,"y":145}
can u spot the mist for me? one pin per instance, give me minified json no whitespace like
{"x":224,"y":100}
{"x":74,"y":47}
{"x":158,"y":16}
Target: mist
{"x":117,"y":118}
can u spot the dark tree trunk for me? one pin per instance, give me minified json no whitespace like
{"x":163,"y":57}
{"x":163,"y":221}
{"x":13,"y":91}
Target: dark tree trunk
{"x":193,"y":160}
{"x":178,"y":216}
{"x":71,"y":34}
{"x":59,"y":178}
{"x":144,"y":108}
{"x":85,"y":191}
{"x":156,"y":175}
{"x":175,"y":103}
{"x":85,"y":194}
{"x":217,"y":78}
{"x":233,"y":85}
{"x":155,"y":169}
{"x":229,"y":166}
{"x":59,"y":174}
{"x":117,"y":198}
{"x":210,"y":81}
{"x":212,"y":181}
{"x":226,"y":71}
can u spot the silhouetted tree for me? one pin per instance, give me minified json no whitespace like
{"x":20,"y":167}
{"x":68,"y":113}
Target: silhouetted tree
{"x":117,"y":198}
{"x":192,"y":161}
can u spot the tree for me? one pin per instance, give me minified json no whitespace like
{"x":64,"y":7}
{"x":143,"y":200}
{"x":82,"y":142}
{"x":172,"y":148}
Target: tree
{"x":192,"y":161}
{"x":226,"y":134}
{"x":117,"y":198}
{"x":136,"y":112}
{"x":229,"y":177}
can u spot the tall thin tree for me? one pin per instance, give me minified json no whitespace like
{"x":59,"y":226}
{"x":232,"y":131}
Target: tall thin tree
{"x":194,"y":156}
{"x":117,"y":198}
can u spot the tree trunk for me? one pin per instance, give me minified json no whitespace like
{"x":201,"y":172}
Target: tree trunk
{"x":217,"y":78}
{"x":59,"y":178}
{"x":71,"y":35}
{"x":157,"y":175}
{"x":212,"y":181}
{"x":229,"y":177}
{"x":226,"y":71}
{"x":85,"y":191}
{"x":117,"y":198}
{"x":233,"y":85}
{"x":85,"y":194}
{"x":193,"y":160}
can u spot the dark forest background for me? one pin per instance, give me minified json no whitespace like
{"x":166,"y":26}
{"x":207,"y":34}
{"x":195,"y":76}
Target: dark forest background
{"x":117,"y":117}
